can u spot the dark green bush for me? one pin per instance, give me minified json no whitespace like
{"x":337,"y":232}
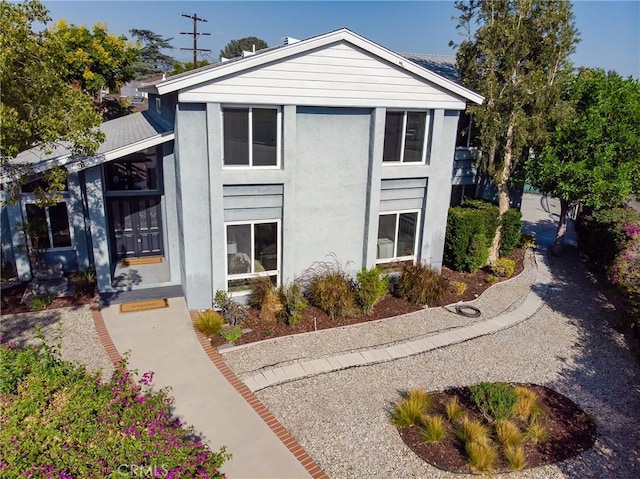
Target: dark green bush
{"x":421,"y":285}
{"x":495,"y":400}
{"x":467,"y":225}
{"x":511,"y":231}
{"x":371,"y":287}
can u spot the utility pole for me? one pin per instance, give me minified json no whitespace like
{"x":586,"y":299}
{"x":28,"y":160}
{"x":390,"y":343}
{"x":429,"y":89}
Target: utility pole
{"x":195,"y":34}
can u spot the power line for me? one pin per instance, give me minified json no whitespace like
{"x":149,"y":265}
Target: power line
{"x":195,"y":34}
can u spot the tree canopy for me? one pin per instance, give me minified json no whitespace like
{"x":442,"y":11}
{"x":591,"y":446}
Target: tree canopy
{"x":93,"y":59}
{"x":594,"y":155}
{"x":39,"y":106}
{"x":515,"y":54}
{"x":235,"y":47}
{"x":151,"y":60}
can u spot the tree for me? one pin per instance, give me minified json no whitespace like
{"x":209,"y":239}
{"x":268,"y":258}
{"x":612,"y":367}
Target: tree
{"x":516,"y":58}
{"x":235,"y":47}
{"x":594,"y":156}
{"x":93,"y":59}
{"x":187,"y":66}
{"x":151,"y":60}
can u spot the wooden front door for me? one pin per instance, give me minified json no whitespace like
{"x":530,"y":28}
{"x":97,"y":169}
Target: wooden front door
{"x":136,"y":226}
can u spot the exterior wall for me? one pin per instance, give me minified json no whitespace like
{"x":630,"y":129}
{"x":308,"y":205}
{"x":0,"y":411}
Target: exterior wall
{"x":76,"y":212}
{"x":340,"y":74}
{"x":192,"y":200}
{"x":171,"y":234}
{"x":97,"y":220}
{"x":8,"y":260}
{"x":168,"y":106}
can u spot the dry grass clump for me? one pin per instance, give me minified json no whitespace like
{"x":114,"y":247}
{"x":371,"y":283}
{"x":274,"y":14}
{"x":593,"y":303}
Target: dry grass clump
{"x":508,"y":433}
{"x":536,"y":433}
{"x":209,"y":322}
{"x":434,"y":428}
{"x":515,"y":457}
{"x":472,"y":430}
{"x":454,"y":409}
{"x":481,"y":454}
{"x":527,"y":406}
{"x":411,"y":411}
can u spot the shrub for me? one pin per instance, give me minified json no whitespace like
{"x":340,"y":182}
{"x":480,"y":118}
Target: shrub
{"x":527,"y":240}
{"x":468,"y":229}
{"x":495,"y":400}
{"x":536,"y":433}
{"x":433,"y":429}
{"x":503,"y":267}
{"x":330,"y":289}
{"x":232,"y":312}
{"x":508,"y":433}
{"x":265,"y":297}
{"x":421,"y":285}
{"x":412,"y":409}
{"x":209,"y":322}
{"x":482,"y":455}
{"x":515,"y":457}
{"x":371,"y":287}
{"x":454,"y":409}
{"x":603,"y":235}
{"x":459,"y":287}
{"x":527,"y":406}
{"x":294,"y":303}
{"x":471,"y":430}
{"x":65,"y":422}
{"x":231,"y":334}
{"x":510,"y":232}
{"x":40,"y":303}
{"x":625,"y":274}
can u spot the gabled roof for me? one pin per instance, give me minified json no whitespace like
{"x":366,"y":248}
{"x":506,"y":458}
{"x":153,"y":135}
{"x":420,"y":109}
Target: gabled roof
{"x":218,"y":70}
{"x":443,"y":65}
{"x":124,"y":135}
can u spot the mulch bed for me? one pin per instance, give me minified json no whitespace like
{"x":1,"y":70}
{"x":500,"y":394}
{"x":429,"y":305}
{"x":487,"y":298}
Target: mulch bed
{"x":12,"y":296}
{"x":570,"y":432}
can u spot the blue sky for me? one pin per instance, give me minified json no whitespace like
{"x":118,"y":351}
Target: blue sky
{"x":609,"y":30}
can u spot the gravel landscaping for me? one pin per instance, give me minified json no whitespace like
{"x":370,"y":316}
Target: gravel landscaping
{"x":341,"y":418}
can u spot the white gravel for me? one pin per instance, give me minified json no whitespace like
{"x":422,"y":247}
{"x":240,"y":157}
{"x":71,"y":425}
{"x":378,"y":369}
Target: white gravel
{"x":341,"y":418}
{"x":70,"y":328}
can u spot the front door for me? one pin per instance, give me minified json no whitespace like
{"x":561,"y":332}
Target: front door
{"x":136,"y":226}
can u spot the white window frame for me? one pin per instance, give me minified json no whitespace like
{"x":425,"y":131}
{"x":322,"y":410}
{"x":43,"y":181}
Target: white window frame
{"x":278,"y":110}
{"x":425,"y":145}
{"x":29,"y":199}
{"x":395,"y":257}
{"x":260,"y":274}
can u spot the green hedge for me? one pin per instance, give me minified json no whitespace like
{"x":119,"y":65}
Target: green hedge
{"x":470,"y":230}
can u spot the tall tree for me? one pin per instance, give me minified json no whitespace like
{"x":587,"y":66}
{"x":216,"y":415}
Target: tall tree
{"x":187,"y":66}
{"x":93,"y":59}
{"x":515,"y":54}
{"x":151,"y":59}
{"x":594,"y":156}
{"x":235,"y":47}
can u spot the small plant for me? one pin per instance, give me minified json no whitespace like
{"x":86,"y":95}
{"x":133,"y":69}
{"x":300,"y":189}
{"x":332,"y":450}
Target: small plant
{"x":84,"y":277}
{"x":433,"y":429}
{"x":331,"y":291}
{"x":453,"y":409}
{"x":40,"y":303}
{"x":527,"y":240}
{"x":527,"y":406}
{"x":471,"y":430}
{"x":231,"y":334}
{"x":482,"y":455}
{"x":411,"y":411}
{"x":209,"y":322}
{"x":536,"y":433}
{"x":265,"y":297}
{"x":508,"y":433}
{"x":232,"y":312}
{"x":294,"y":304}
{"x":515,"y":457}
{"x":371,"y":287}
{"x":459,"y":287}
{"x":495,"y":400}
{"x":492,"y":279}
{"x":421,"y":285}
{"x":503,"y":267}
{"x":267,"y":333}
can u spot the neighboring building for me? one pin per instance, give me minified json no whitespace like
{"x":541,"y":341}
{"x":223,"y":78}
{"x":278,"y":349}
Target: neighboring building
{"x":260,"y":166}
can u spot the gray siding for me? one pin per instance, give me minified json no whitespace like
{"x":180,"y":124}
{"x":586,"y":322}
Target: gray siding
{"x":252,"y":202}
{"x":402,"y":194}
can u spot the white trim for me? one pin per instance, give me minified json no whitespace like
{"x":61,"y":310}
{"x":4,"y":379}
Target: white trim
{"x":395,"y":257}
{"x":403,"y":135}
{"x":253,"y":274}
{"x":250,"y":109}
{"x":229,"y":68}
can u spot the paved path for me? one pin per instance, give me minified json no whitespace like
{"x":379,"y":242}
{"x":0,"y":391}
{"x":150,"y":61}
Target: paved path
{"x":164,"y":341}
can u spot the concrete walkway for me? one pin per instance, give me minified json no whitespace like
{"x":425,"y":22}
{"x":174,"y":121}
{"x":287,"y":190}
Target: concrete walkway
{"x":164,"y":341}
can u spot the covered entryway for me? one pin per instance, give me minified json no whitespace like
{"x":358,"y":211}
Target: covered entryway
{"x":136,"y":226}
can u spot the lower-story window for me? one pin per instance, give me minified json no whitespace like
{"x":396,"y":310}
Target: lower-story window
{"x":397,"y":236}
{"x":253,"y":250}
{"x":48,"y":227}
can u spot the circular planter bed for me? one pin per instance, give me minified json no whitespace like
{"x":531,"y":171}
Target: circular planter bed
{"x":557,"y":430}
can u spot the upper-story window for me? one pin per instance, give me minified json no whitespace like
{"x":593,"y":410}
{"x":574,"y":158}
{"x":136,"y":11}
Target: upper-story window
{"x":405,"y":137}
{"x":251,"y":137}
{"x":137,"y":172}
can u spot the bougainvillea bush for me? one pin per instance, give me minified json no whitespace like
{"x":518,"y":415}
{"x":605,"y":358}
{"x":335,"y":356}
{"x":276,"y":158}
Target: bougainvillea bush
{"x":625,"y":272}
{"x":59,"y":421}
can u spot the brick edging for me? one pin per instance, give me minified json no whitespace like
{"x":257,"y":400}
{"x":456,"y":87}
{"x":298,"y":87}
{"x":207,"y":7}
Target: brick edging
{"x":279,"y":430}
{"x":103,"y":333}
